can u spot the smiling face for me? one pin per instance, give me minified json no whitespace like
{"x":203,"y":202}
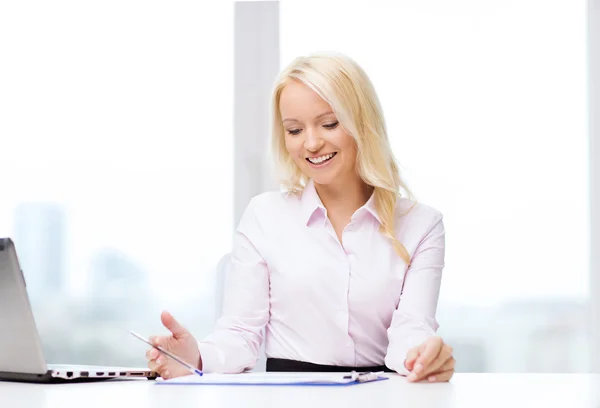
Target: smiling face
{"x":315,"y":140}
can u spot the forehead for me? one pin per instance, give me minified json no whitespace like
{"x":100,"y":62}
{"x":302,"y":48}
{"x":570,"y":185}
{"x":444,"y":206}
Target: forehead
{"x":298,"y":101}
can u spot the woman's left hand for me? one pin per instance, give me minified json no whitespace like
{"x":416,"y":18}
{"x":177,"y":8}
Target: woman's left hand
{"x":432,"y":361}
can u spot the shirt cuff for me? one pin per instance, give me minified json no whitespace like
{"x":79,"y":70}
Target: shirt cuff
{"x":211,"y":357}
{"x":395,"y":361}
{"x":396,"y":355}
{"x":401,"y":369}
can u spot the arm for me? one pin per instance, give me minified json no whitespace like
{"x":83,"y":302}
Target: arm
{"x":234,"y":344}
{"x":414,"y":320}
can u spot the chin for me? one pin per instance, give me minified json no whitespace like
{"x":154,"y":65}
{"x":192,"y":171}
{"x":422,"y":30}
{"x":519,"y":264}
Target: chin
{"x":323,"y":179}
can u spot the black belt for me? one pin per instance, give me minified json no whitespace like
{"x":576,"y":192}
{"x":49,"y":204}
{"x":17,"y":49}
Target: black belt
{"x":281,"y":364}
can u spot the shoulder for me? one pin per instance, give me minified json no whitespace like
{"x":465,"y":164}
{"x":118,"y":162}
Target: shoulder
{"x":269,"y":217}
{"x":272,"y":201}
{"x":269,"y":207}
{"x":415,"y":219}
{"x":413,"y":210}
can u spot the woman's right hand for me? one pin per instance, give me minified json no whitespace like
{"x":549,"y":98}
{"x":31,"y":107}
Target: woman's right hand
{"x":180,"y":342}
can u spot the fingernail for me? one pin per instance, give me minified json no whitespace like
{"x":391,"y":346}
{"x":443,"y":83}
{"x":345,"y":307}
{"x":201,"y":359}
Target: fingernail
{"x":167,"y":374}
{"x":432,"y":378}
{"x":412,"y":377}
{"x":159,"y":361}
{"x":418,"y":367}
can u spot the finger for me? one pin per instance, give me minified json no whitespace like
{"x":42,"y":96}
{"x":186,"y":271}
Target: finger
{"x":173,"y":325}
{"x":433,"y":346}
{"x":161,"y":370}
{"x":158,"y":341}
{"x":155,"y":366}
{"x":437,"y":364}
{"x":415,"y":352}
{"x":442,"y":376}
{"x":448,"y":365}
{"x":152,"y":354}
{"x":411,"y":357}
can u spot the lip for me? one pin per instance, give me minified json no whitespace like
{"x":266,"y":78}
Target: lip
{"x":323,"y":165}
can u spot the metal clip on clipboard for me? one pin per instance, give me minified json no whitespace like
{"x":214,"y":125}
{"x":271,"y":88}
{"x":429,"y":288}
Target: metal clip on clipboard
{"x":364,"y":376}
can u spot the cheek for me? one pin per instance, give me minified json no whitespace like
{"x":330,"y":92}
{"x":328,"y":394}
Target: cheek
{"x":347,"y":144}
{"x":293,"y":147}
{"x":350,"y":159}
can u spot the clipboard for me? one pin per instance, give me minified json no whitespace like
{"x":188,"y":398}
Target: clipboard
{"x":277,"y":379}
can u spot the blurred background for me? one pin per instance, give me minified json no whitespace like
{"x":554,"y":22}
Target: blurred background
{"x":133,"y":134}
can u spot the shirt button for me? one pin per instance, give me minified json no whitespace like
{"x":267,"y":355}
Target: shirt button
{"x":349,"y":344}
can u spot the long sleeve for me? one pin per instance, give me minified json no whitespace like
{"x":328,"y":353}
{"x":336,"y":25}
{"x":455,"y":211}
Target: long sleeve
{"x":234,"y":344}
{"x":414,"y":319}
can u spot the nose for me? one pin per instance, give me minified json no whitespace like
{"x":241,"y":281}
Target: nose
{"x":313,"y":141}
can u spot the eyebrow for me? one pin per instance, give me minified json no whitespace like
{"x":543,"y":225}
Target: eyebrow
{"x":318,"y":117}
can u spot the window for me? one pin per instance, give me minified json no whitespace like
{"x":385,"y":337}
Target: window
{"x":116,"y":144}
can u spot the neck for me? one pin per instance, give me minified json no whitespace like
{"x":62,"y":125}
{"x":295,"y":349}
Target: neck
{"x":346,"y":197}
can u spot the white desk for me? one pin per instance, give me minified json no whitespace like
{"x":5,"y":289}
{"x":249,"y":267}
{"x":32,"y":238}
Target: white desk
{"x":465,"y":390}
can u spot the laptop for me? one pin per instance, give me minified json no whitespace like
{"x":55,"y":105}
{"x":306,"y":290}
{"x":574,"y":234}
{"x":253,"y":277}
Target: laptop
{"x":21,"y":356}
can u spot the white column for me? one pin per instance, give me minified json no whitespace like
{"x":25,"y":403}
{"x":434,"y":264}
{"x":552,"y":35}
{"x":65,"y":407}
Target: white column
{"x":256,"y":65}
{"x":594,"y":133}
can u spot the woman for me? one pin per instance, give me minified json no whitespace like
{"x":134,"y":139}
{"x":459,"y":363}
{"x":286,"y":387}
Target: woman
{"x":340,"y":270}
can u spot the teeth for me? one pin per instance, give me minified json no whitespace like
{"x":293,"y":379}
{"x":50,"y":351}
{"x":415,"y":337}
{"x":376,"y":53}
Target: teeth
{"x":320,"y":159}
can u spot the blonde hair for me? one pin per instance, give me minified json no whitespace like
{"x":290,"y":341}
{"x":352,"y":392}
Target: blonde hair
{"x":343,"y":84}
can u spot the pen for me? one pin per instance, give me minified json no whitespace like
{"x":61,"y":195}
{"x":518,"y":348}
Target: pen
{"x":190,"y":367}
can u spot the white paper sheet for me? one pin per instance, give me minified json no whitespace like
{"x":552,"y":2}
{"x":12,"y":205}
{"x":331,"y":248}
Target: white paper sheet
{"x":264,"y":379}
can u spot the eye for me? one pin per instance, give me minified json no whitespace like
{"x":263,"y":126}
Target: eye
{"x":293,"y":132}
{"x":331,"y":125}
